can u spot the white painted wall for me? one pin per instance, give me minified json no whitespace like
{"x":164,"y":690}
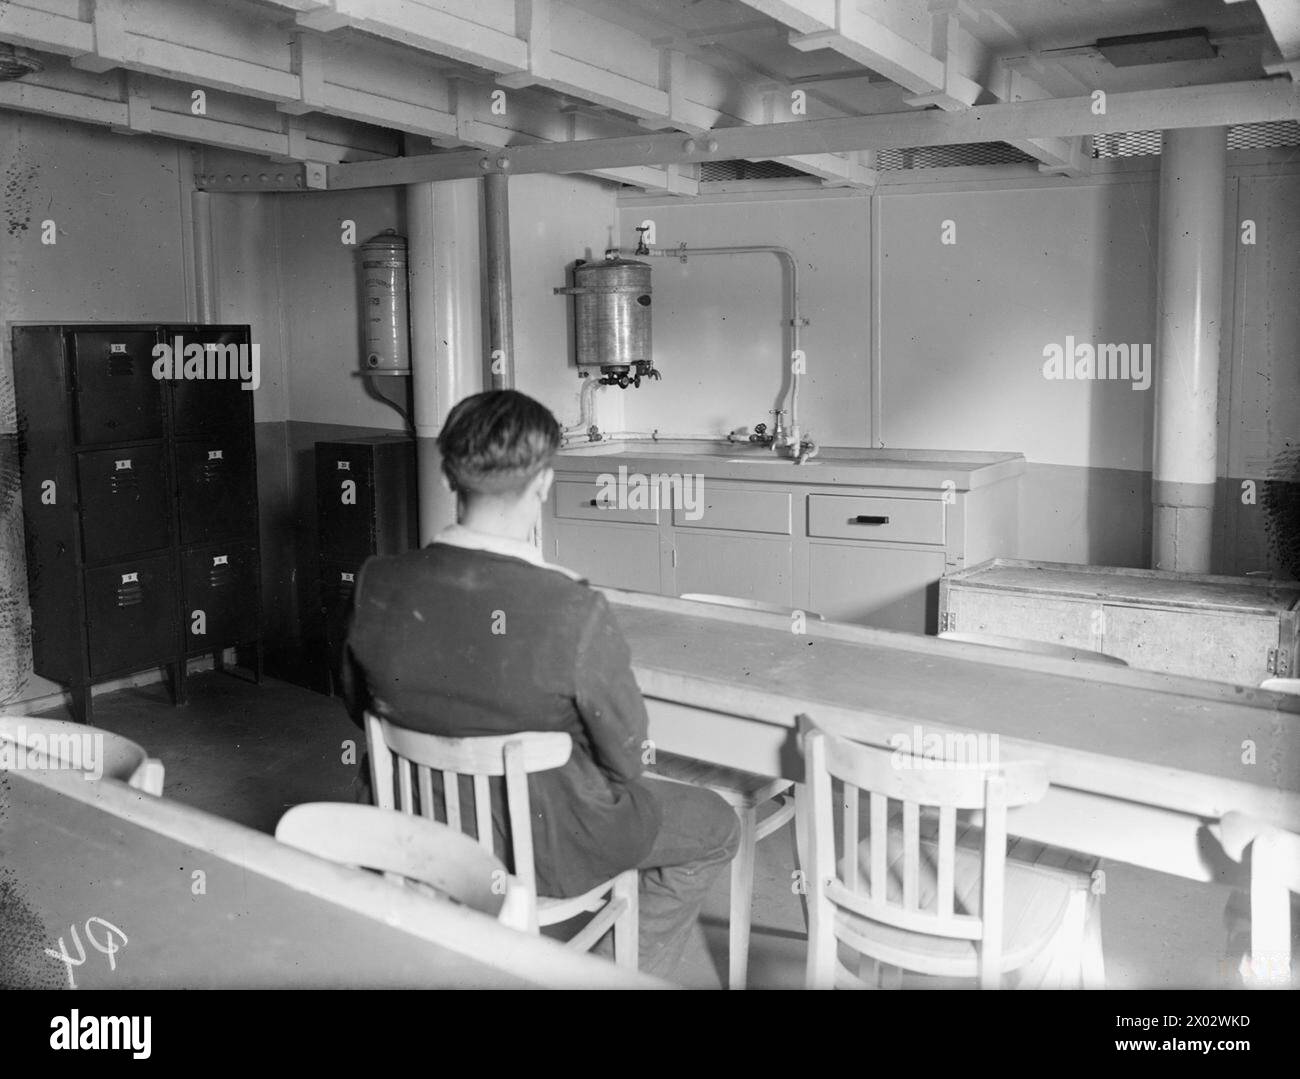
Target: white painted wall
{"x":719,"y":335}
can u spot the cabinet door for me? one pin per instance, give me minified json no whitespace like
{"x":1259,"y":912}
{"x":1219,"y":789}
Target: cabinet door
{"x":131,"y":615}
{"x":617,"y":556}
{"x":221,"y":606}
{"x":207,"y":405}
{"x":217,"y":488}
{"x":884,"y":587}
{"x":117,"y":397}
{"x":123,"y":502}
{"x":345,"y":500}
{"x":748,"y":567}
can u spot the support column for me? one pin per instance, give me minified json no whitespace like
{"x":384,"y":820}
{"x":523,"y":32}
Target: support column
{"x":1190,"y":267}
{"x":501,"y":333}
{"x":446,"y":326}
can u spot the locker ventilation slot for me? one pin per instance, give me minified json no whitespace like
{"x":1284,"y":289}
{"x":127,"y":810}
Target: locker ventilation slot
{"x":130,"y":594}
{"x":221,"y":576}
{"x":124,"y":482}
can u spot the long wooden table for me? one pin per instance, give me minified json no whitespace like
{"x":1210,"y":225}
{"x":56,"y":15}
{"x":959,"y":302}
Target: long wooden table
{"x":103,"y":886}
{"x":1140,"y":763}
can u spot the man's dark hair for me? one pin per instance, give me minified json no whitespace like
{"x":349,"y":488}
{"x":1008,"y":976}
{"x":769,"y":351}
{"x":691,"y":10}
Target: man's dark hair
{"x":496,"y":442}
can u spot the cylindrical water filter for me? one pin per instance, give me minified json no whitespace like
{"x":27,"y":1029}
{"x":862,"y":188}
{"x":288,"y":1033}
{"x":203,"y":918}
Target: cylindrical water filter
{"x":385,"y":326}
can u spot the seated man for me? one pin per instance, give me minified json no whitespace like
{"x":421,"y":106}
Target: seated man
{"x":476,"y":634}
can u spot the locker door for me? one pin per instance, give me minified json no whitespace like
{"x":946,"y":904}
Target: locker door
{"x":217,"y":488}
{"x":206,"y":406}
{"x":345,"y":501}
{"x":131,"y":615}
{"x":117,"y":397}
{"x":220,"y":596}
{"x":123,"y":502}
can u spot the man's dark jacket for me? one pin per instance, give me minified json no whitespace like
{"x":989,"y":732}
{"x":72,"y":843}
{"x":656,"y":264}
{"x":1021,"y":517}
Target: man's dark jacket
{"x":462,"y":642}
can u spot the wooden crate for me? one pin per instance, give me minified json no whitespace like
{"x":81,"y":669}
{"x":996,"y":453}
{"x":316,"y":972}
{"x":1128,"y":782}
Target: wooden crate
{"x":1231,"y":629}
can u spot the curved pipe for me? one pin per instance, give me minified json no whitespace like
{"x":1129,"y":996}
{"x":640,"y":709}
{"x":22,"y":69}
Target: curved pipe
{"x":796,"y":320}
{"x":586,"y":410}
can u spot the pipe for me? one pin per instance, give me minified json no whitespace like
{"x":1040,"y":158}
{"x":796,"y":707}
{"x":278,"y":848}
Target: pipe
{"x":205,"y":294}
{"x":796,"y":321}
{"x":1190,"y":267}
{"x":660,"y":436}
{"x":586,"y":407}
{"x":500,"y":373}
{"x":443,"y":253}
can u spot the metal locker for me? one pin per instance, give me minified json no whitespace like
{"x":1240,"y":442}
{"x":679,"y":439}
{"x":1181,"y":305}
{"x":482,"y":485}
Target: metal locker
{"x":216,"y":487}
{"x":117,"y":399}
{"x":220,"y":590}
{"x":123,"y":502}
{"x":130,"y":615}
{"x":207,"y":406}
{"x":365,"y":497}
{"x":345,"y":500}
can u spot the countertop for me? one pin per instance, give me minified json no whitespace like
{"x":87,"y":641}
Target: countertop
{"x":834,"y":465}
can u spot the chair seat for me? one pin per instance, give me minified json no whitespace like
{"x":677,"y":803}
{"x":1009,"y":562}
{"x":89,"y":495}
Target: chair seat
{"x":1036,"y":900}
{"x":742,"y":790}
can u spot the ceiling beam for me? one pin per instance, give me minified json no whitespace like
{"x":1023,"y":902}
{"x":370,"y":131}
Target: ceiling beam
{"x":1283,"y":19}
{"x":1195,"y":106}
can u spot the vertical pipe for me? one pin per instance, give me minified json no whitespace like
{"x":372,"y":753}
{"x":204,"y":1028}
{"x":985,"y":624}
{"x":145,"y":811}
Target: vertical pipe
{"x":205,"y":298}
{"x":1191,"y":238}
{"x":501,"y":345}
{"x":443,"y":264}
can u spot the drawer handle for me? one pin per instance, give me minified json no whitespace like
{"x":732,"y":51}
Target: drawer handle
{"x":870,"y":519}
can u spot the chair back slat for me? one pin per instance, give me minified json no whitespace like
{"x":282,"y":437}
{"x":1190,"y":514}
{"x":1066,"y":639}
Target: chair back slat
{"x":483,"y":811}
{"x":912,"y":876}
{"x":451,"y":798}
{"x":543,"y":750}
{"x":424,"y":781}
{"x":850,"y":799}
{"x":519,"y":812}
{"x":947,"y":859}
{"x":405,"y":801}
{"x":911,"y":855}
{"x":879,"y":847}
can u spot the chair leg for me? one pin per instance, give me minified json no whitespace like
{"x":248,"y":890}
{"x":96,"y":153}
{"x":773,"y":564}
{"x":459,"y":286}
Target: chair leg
{"x":627,"y":939}
{"x":742,"y":900}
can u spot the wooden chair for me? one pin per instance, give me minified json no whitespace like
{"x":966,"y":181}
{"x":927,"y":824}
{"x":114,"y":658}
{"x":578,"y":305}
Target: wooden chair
{"x":410,"y":851}
{"x":1274,"y":874}
{"x":914,"y":897}
{"x":118,"y":757}
{"x":1039,"y":648}
{"x":413,"y":755}
{"x":747,"y":794}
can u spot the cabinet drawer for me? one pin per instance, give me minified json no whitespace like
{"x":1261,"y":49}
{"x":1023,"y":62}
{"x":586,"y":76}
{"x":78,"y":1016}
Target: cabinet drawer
{"x":740,"y":511}
{"x":899,"y":520}
{"x":588,"y":500}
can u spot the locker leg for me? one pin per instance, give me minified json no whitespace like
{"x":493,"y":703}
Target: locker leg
{"x":219,"y":661}
{"x":80,"y":704}
{"x":178,"y":682}
{"x":257,"y":663}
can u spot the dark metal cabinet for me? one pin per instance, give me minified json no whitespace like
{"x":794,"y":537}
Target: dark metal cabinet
{"x":365,"y":505}
{"x":139,"y":503}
